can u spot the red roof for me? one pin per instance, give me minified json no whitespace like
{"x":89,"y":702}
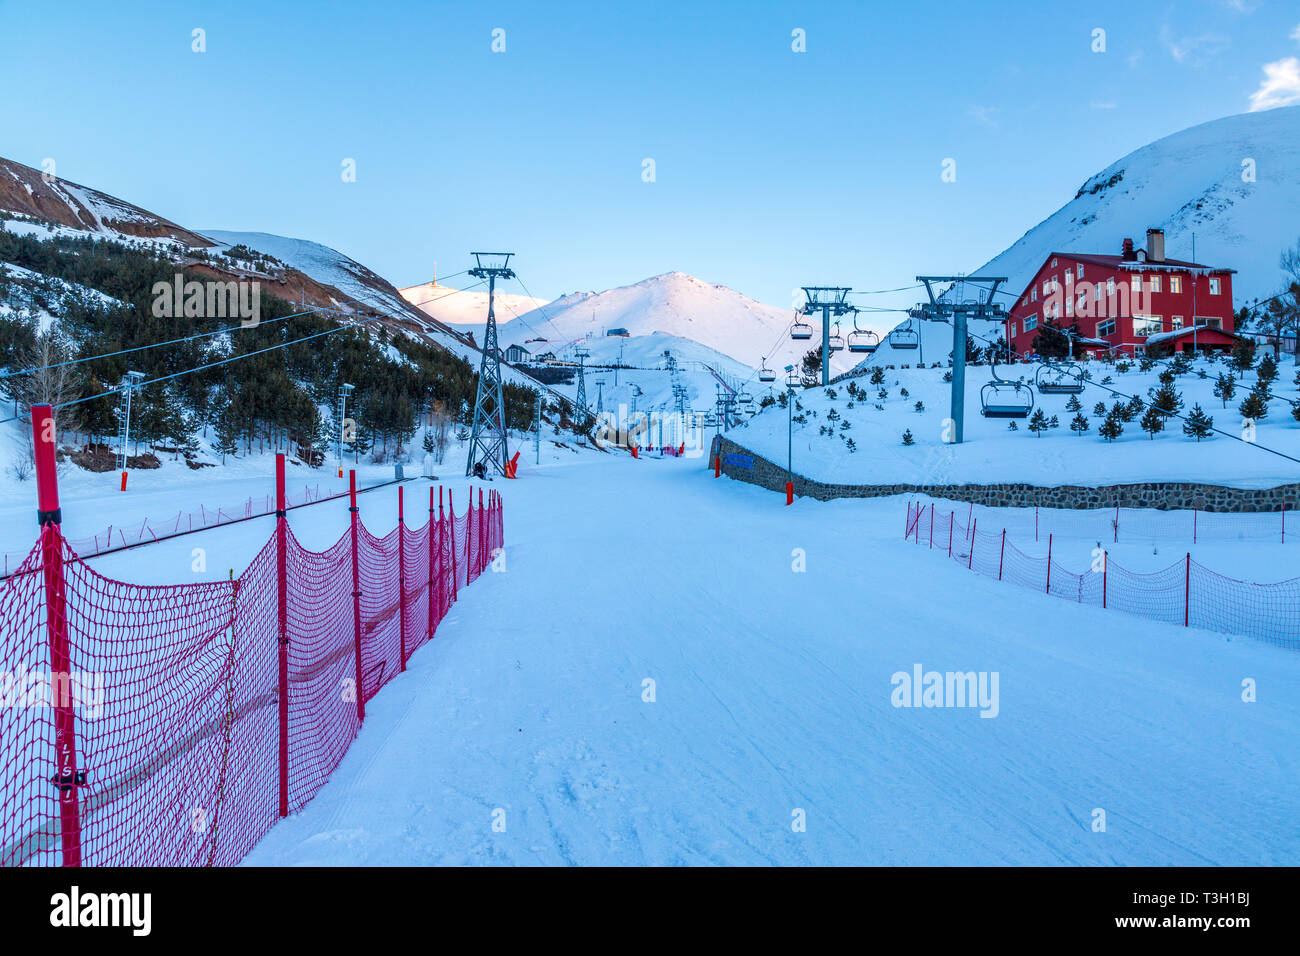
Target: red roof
{"x":1118,"y":261}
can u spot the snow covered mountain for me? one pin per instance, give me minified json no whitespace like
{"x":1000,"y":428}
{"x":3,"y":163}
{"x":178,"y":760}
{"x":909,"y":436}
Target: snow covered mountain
{"x":674,"y":304}
{"x":29,"y":192}
{"x":1234,"y":182}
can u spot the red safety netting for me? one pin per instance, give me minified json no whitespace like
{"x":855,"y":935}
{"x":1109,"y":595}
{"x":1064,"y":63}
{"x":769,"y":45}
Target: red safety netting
{"x":115,"y":537}
{"x":156,"y":726}
{"x":1184,"y":593}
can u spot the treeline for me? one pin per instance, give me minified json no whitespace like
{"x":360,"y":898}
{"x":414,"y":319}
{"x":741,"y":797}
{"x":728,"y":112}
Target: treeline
{"x":265,"y":396}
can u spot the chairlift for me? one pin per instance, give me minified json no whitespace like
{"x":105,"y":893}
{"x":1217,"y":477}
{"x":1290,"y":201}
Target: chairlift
{"x":835,"y":341}
{"x":1003,"y":398}
{"x":862,"y":340}
{"x":801,"y":331}
{"x":1059,"y":378}
{"x":792,"y":378}
{"x":904,"y":337}
{"x":744,"y":397}
{"x":765,"y":374}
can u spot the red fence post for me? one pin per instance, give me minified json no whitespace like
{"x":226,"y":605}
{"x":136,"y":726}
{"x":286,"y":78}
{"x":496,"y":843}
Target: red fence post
{"x":401,"y":581}
{"x":451,"y":526}
{"x":66,"y":775}
{"x":356,"y":592}
{"x":435,"y":526}
{"x":282,"y":611}
{"x":1049,"y":562}
{"x":1187,"y":588}
{"x":970,"y":558}
{"x":1284,"y":522}
{"x":482,"y":544}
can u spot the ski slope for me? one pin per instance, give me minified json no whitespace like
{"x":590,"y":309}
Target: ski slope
{"x":773,"y":695}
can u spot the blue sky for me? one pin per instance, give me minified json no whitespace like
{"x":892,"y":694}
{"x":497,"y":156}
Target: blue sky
{"x":772,"y":168}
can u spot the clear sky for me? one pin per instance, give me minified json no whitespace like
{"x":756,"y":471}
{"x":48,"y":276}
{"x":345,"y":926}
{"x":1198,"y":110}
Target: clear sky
{"x":773,"y":168}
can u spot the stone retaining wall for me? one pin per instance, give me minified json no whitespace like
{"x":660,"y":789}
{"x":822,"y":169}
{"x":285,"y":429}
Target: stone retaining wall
{"x":1161,"y":495}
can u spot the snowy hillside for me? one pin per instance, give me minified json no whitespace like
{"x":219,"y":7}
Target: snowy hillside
{"x":1190,"y":182}
{"x":673,"y":303}
{"x":933,"y":343}
{"x":455,"y":307}
{"x":992,"y":452}
{"x":30,"y":192}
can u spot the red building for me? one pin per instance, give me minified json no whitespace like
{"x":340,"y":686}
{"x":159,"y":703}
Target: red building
{"x":1122,"y":302}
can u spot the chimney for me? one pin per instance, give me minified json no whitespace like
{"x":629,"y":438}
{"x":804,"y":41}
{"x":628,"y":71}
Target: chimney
{"x":1155,"y":245}
{"x":1127,"y":253}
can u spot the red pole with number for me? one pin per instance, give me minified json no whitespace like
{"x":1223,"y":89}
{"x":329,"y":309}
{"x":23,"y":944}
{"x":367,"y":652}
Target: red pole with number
{"x":67,"y":778}
{"x":482,"y":542}
{"x":356,"y":592}
{"x":1187,"y":588}
{"x":282,"y":604}
{"x":401,"y":582}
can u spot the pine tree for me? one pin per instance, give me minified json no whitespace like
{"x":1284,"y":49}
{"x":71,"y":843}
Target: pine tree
{"x":1166,"y":398}
{"x":1198,"y":425}
{"x":1099,"y":409}
{"x":1078,"y":424}
{"x":907,"y":437}
{"x":1073,"y":405}
{"x":920,"y":406}
{"x":1266,"y":371}
{"x":1134,"y":408}
{"x":877,"y":375}
{"x":1225,"y":386}
{"x":1243,"y":355}
{"x":1255,"y":405}
{"x":1153,"y":421}
{"x":1038,"y":423}
{"x":1013,"y":427}
{"x":1111,"y":428}
{"x":1053,"y":422}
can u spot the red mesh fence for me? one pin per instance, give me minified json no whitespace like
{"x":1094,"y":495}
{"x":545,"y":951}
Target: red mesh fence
{"x":1184,"y":593}
{"x":155,"y":726}
{"x":116,"y":537}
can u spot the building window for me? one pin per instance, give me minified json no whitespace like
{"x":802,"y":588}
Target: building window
{"x":1096,"y":297}
{"x":1079,"y":269}
{"x":1053,"y":263}
{"x":1214,"y":287}
{"x":1210,"y":323}
{"x":1013,"y":330}
{"x":1145,"y":325}
{"x":1047,"y":286}
{"x":1175,"y":284}
{"x":1105,"y":328}
{"x":1031,"y":322}
{"x":1069,"y":277}
{"x":1155,"y":283}
{"x":1083,"y":299}
{"x":1033,"y":296}
{"x":1176,"y":322}
{"x":1110,"y":287}
{"x":1135,"y":284}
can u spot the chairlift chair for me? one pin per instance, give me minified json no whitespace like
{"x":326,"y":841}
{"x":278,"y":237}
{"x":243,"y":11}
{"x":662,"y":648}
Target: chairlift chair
{"x":765,"y":374}
{"x":835,"y":341}
{"x":862,"y":340}
{"x":801,"y":331}
{"x":1059,"y":378}
{"x":904,"y":337}
{"x":1003,"y":398}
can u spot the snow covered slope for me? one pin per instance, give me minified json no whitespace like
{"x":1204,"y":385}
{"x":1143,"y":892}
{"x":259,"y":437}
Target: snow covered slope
{"x":1190,"y":182}
{"x":467,"y":306}
{"x":673,"y":303}
{"x":29,"y":192}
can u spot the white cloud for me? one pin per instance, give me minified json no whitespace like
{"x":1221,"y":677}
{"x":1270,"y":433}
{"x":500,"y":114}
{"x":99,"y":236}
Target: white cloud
{"x":1281,"y":85}
{"x":1295,"y":34}
{"x":983,"y":115}
{"x":1193,"y":51}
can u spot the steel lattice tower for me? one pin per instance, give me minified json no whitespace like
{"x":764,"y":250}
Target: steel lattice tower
{"x":582,"y":354}
{"x":487,"y":440}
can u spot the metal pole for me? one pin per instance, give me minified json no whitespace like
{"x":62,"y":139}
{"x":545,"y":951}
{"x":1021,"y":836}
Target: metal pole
{"x":401,"y":582}
{"x":826,"y":345}
{"x":958,"y":374}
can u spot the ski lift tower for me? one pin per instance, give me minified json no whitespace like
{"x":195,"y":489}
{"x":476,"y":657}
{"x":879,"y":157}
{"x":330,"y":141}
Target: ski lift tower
{"x":831,"y":302}
{"x":958,"y":313}
{"x":130,"y":383}
{"x":581,"y":354}
{"x":487,"y":440}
